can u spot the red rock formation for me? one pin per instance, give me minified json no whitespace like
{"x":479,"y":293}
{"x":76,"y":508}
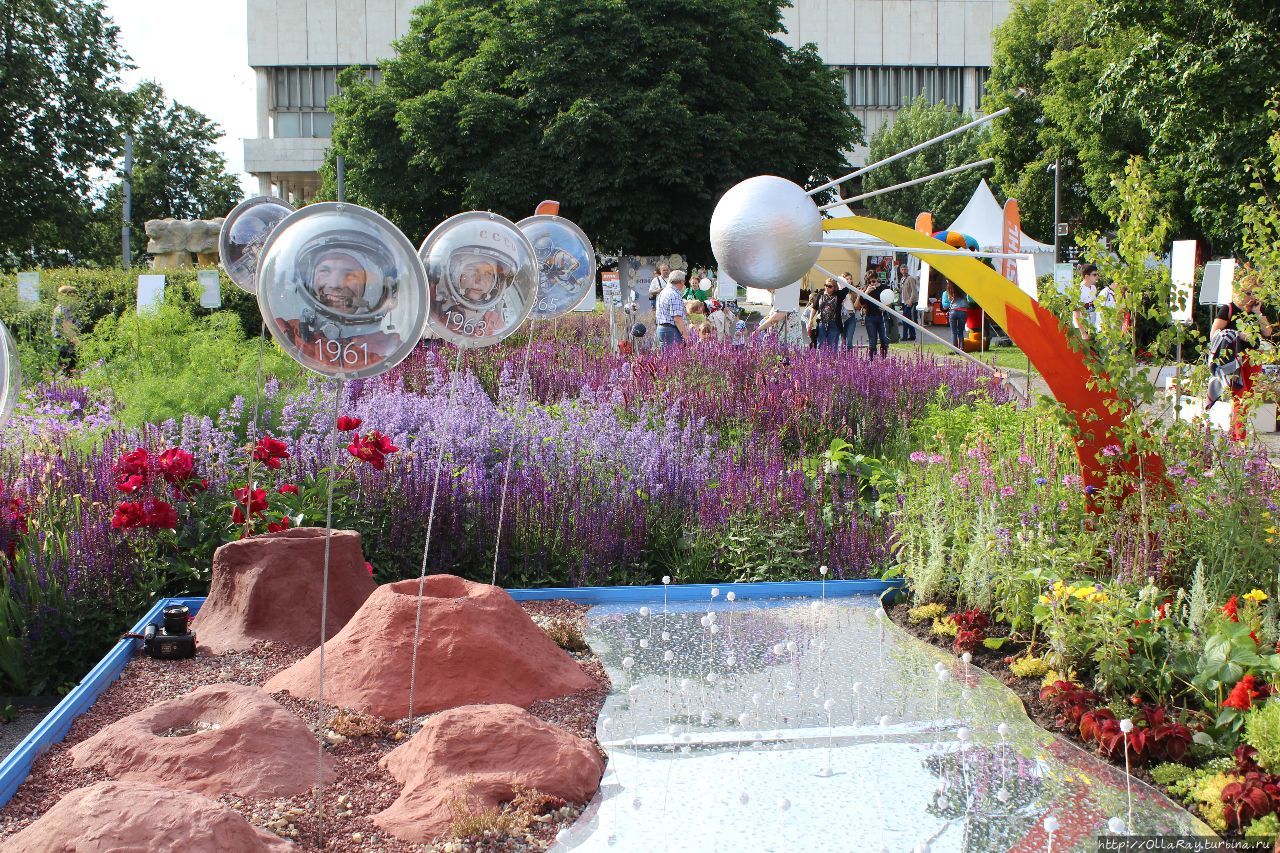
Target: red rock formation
{"x":115,"y":816}
{"x":243,"y":743}
{"x":476,"y":755}
{"x":477,"y":647}
{"x":268,"y":588}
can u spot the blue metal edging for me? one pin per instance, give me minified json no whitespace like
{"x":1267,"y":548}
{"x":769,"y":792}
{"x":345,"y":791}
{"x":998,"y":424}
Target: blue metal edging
{"x":702,"y":591}
{"x":54,"y":727}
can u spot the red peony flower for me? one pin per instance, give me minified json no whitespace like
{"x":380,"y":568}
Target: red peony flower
{"x":1242,"y":695}
{"x":347,"y":424}
{"x":278,"y":526}
{"x":1231,"y":609}
{"x":162,"y":515}
{"x":372,"y":448}
{"x":134,"y":462}
{"x":176,"y":465}
{"x":288,"y":489}
{"x":128,"y":516}
{"x":269,"y":451}
{"x":255,"y":504}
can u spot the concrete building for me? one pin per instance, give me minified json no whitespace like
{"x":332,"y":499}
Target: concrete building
{"x":890,"y":51}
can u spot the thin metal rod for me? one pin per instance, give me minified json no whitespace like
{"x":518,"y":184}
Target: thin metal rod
{"x":511,"y":451}
{"x":426,"y":545}
{"x":913,"y":149}
{"x":324,"y":603}
{"x":921,"y":328}
{"x":836,"y":244}
{"x":953,"y":170}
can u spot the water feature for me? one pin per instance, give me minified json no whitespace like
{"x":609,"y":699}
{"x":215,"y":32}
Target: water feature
{"x":788,"y":724}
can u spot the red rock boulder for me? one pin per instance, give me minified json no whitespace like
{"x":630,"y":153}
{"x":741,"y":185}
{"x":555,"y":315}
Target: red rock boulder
{"x":218,"y":739}
{"x":269,"y":587}
{"x":117,"y":816}
{"x":476,"y":647}
{"x":474,"y":757}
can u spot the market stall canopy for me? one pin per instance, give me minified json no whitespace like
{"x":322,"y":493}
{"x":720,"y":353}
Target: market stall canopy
{"x":983,"y":219}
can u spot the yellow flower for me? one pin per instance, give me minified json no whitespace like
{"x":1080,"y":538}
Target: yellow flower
{"x":1270,"y":530}
{"x":1255,"y":595}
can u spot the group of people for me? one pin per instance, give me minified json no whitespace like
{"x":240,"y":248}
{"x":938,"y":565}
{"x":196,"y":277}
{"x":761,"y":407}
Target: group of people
{"x":680,"y":297}
{"x":831,"y":316}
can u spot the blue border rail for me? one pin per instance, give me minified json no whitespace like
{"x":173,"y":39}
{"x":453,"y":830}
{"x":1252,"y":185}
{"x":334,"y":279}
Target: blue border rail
{"x":15,"y":768}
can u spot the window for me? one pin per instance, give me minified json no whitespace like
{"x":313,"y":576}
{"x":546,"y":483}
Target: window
{"x":879,"y":87}
{"x":300,"y":97}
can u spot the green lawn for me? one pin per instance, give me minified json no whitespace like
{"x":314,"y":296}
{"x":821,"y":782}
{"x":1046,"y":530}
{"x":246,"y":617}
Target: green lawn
{"x":1010,"y":357}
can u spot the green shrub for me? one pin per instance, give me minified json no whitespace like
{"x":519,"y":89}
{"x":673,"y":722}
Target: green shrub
{"x":105,"y":293}
{"x":1262,"y":732}
{"x":1169,"y":774}
{"x":1267,"y":826}
{"x":169,"y":363}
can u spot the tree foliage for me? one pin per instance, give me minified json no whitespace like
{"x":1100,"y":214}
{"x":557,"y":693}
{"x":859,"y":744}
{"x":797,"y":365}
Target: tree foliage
{"x":1179,"y":83}
{"x":177,"y":170}
{"x":945,"y":197}
{"x":636,"y":115}
{"x":58,"y":101}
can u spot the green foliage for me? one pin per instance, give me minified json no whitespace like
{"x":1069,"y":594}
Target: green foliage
{"x":1266,"y":827}
{"x":103,"y":293}
{"x":497,"y":105}
{"x":58,"y":100}
{"x":945,"y":197}
{"x":926,"y":612}
{"x":1095,"y":82}
{"x":169,"y":363}
{"x":177,"y":170}
{"x":1262,"y":732}
{"x":1170,"y":774}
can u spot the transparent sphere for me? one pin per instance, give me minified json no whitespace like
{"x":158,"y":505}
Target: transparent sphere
{"x":484,"y":278}
{"x":566,"y":264}
{"x":244,"y":233}
{"x":342,"y":290}
{"x":10,"y":374}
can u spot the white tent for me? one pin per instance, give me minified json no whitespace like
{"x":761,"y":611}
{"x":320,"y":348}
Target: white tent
{"x":983,"y":220}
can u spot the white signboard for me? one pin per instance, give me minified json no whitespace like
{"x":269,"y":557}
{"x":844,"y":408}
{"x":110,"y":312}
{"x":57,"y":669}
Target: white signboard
{"x":210,"y":289}
{"x":150,"y":292}
{"x":923,"y":302}
{"x":1226,"y":289}
{"x":588,"y":303}
{"x":1209,"y":283}
{"x":1026,"y":269}
{"x":756,"y":296}
{"x":726,"y":287}
{"x":29,"y":287}
{"x":1183,"y":274}
{"x":787,"y":298}
{"x":1063,"y":275}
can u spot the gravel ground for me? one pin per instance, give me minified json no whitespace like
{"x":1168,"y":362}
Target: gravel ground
{"x":355,"y":742}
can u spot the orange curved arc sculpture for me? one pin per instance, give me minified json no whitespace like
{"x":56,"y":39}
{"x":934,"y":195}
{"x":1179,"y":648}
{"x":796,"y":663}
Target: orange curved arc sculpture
{"x":1098,"y":414}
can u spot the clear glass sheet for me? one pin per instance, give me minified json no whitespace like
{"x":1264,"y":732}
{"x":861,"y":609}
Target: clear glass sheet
{"x":812,"y":725}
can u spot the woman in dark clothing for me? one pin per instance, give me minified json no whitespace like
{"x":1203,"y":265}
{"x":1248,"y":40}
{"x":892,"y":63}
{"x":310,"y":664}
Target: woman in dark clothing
{"x":1226,"y":319}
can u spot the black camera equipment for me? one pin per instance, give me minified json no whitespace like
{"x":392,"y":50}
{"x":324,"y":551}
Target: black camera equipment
{"x":173,"y":639}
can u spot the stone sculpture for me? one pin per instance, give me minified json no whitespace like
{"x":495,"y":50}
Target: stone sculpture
{"x":174,"y":241}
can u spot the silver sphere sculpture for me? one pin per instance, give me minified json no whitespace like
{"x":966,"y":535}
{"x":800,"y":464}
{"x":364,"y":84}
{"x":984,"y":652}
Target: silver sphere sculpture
{"x":761,"y":230}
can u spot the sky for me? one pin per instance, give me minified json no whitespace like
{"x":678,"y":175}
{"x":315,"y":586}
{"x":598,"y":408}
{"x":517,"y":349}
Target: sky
{"x":196,"y":50}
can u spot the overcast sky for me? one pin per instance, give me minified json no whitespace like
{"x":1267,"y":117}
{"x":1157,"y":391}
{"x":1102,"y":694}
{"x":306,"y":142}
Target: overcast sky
{"x":196,"y":50}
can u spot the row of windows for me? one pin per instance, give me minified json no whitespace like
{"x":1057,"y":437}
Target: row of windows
{"x":300,"y":96}
{"x":879,"y":87}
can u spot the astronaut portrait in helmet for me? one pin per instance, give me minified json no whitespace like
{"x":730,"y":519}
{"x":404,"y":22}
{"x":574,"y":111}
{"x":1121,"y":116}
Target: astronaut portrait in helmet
{"x":248,"y":235}
{"x":475,"y":280}
{"x":345,"y":286}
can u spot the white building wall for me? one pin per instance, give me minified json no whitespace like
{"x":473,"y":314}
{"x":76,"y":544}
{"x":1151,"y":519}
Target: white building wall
{"x":328,"y":33}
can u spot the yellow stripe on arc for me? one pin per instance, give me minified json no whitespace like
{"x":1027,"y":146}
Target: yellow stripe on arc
{"x":995,"y":293}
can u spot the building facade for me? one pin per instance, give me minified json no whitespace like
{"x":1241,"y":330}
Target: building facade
{"x":889,"y":50}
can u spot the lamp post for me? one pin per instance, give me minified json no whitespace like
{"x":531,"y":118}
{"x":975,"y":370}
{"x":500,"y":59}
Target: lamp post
{"x":1057,"y":194}
{"x":127,"y":208}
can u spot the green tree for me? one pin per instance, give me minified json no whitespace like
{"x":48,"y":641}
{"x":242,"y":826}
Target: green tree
{"x":943,"y":197}
{"x":177,"y":171}
{"x":637,"y":116}
{"x":58,"y":105}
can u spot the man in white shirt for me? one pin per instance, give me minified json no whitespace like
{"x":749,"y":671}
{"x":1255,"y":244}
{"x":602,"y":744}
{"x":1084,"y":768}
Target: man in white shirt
{"x":656,"y":284}
{"x":672,"y":326}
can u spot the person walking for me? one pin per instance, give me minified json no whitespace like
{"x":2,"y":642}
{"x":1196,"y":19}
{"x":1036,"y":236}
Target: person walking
{"x":909,"y":293}
{"x":1243,"y":303}
{"x":874,"y":316}
{"x":671,"y":322}
{"x":956,"y":303}
{"x":849,"y":317}
{"x":66,"y":327}
{"x":828,"y":309}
